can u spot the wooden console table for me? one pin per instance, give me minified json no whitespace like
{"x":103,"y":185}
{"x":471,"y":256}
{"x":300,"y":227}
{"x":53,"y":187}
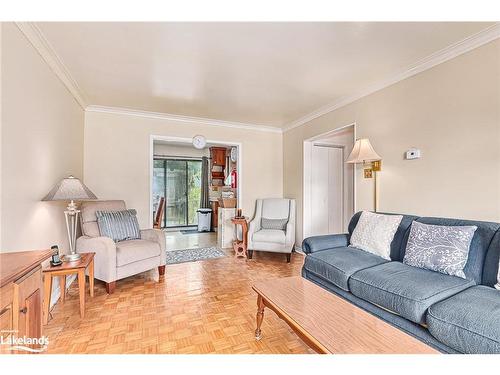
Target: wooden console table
{"x":63,"y":270}
{"x":21,"y":295}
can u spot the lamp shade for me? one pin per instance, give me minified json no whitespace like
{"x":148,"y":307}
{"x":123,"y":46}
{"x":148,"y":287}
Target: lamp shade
{"x":362,"y":152}
{"x":69,"y":189}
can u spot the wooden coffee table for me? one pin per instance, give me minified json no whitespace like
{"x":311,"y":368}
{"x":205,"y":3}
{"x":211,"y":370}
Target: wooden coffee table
{"x":328,"y":323}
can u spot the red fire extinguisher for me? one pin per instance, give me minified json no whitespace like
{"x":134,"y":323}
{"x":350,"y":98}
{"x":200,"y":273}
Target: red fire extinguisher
{"x":234,"y":178}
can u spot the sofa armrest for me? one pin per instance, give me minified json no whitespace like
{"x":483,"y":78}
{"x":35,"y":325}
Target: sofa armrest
{"x":158,"y":236}
{"x":105,"y":256}
{"x":329,"y":241}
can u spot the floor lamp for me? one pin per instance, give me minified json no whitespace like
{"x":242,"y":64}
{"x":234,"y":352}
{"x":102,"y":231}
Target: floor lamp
{"x":70,"y":189}
{"x":363,"y":153}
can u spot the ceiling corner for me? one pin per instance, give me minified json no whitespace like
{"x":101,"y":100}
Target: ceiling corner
{"x":43,"y":47}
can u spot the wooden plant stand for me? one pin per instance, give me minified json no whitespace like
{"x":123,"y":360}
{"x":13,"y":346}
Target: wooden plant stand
{"x":240,"y":247}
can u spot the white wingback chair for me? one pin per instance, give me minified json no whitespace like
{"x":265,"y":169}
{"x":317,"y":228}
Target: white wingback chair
{"x":115,"y":261}
{"x":272,"y":240}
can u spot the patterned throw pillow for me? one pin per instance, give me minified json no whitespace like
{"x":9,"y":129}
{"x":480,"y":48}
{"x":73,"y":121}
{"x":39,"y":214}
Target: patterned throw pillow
{"x":277,"y":224}
{"x":439,"y":248}
{"x":375,"y":232}
{"x":118,"y":225}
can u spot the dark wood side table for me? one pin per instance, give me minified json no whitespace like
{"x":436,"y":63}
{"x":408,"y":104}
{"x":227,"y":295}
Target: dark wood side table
{"x":65,"y":269}
{"x":240,"y":247}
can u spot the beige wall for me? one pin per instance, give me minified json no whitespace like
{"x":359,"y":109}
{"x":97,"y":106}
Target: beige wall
{"x":41,"y":142}
{"x":450,"y":112}
{"x":117,"y":158}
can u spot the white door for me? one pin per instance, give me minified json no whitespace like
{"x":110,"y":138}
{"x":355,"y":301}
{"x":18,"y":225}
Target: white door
{"x":327,"y":198}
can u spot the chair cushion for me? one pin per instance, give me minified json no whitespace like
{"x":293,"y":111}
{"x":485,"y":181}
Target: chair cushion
{"x":118,"y":225}
{"x":269,"y":235}
{"x":468,"y":322}
{"x":405,"y":290}
{"x":135,"y":250}
{"x":278,"y":224}
{"x":276,"y":208}
{"x":88,"y":214}
{"x":338,"y":264}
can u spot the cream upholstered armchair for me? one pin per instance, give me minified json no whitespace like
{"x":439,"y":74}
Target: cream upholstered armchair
{"x":273,"y":227}
{"x":115,"y":261}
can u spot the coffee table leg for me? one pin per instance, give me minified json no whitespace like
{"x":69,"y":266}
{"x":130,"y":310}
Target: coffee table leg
{"x":260,"y":317}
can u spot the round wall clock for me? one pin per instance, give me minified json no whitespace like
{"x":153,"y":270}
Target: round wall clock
{"x":199,"y":142}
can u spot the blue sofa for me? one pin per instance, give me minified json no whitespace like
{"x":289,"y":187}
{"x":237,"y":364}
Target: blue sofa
{"x":451,"y":314}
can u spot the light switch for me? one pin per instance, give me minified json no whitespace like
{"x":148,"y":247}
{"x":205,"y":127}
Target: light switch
{"x":413,"y":153}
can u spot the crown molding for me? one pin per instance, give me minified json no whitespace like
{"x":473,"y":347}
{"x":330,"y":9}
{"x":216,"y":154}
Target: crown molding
{"x":181,"y":118}
{"x":474,"y":41}
{"x":46,"y":51}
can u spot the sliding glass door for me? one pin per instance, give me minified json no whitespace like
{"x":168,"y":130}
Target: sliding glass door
{"x":179,"y":181}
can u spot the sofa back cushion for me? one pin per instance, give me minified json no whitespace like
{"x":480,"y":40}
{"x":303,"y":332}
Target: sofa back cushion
{"x":490,"y":269}
{"x":89,"y":218}
{"x":479,"y":246}
{"x":400,"y":237}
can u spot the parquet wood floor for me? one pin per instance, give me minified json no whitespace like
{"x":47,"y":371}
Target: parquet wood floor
{"x":196,"y":308}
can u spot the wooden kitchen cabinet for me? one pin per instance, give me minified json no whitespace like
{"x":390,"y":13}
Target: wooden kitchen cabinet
{"x":21,"y":295}
{"x":218,"y":155}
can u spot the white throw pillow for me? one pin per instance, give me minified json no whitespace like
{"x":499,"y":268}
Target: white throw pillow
{"x":497,"y":285}
{"x":375,"y":232}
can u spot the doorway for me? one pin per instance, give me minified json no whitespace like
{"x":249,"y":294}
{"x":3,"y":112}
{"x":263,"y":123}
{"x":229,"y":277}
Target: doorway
{"x":181,"y":149}
{"x":328,"y":183}
{"x":179,"y":181}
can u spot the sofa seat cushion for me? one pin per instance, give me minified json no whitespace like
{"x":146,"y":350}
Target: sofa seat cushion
{"x":269,"y":235}
{"x":405,"y":290}
{"x":469,"y":321}
{"x":338,"y":264}
{"x":135,"y":250}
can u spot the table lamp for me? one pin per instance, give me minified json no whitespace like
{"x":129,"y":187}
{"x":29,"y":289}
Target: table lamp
{"x":363,"y":153}
{"x":70,"y":189}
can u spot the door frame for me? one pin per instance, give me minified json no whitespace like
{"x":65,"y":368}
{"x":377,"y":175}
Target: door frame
{"x":185,"y":140}
{"x":307,"y":175}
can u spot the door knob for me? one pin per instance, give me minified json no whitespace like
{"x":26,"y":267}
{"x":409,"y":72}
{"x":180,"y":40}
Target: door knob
{"x":24,"y":310}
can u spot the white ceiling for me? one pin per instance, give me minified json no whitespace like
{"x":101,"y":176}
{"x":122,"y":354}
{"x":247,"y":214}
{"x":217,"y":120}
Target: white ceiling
{"x":259,"y":73}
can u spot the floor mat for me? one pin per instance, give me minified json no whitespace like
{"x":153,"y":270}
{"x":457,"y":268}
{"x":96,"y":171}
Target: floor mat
{"x":193,"y":255}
